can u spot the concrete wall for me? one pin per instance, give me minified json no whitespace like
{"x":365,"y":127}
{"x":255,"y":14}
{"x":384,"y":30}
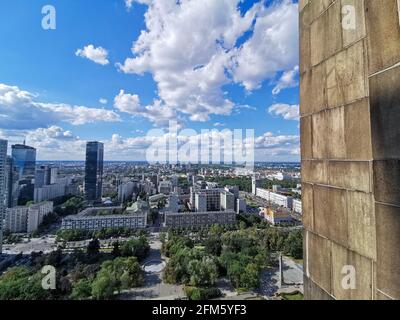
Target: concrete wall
{"x":350,"y":145}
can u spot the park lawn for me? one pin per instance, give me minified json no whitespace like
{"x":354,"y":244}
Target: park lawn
{"x":292,"y":296}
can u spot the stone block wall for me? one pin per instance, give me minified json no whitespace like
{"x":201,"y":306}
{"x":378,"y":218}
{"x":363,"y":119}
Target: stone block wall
{"x":350,"y":146}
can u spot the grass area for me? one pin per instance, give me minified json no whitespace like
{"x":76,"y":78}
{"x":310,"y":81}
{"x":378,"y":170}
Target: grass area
{"x":292,"y":296}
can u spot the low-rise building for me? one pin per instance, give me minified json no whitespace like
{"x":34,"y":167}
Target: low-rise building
{"x":97,"y":218}
{"x":199,"y":219}
{"x":277,"y":216}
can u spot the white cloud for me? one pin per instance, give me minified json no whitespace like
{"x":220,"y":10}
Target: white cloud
{"x":219,"y":124}
{"x":268,"y":147}
{"x":20,"y":111}
{"x":288,"y":112}
{"x":190,"y":49}
{"x":273,"y":46}
{"x":129,"y":3}
{"x":287,"y":80}
{"x":55,"y":143}
{"x":103,"y":101}
{"x":79,"y":115}
{"x":157,"y":113}
{"x":98,"y":55}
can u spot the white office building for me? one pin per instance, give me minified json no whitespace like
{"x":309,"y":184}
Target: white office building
{"x":241,"y":206}
{"x":275,"y":198}
{"x":173,"y":203}
{"x":255,"y":183}
{"x":297,"y":206}
{"x":227,"y":200}
{"x":125,"y":191}
{"x":165,"y":187}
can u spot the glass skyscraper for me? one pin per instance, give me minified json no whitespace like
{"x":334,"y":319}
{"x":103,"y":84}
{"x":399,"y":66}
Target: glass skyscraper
{"x":94,"y":171}
{"x":24,"y":161}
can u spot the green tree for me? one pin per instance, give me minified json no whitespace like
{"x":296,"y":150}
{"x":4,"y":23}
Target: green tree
{"x":103,"y":287}
{"x":81,"y":290}
{"x":251,"y":277}
{"x":18,"y":283}
{"x":93,"y":247}
{"x":116,"y":252}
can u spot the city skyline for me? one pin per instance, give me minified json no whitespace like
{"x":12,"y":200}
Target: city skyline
{"x":235,"y":76}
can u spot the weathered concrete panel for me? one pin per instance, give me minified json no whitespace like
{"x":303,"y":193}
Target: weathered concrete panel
{"x":386,"y":181}
{"x":307,"y":197}
{"x":388,"y":240}
{"x":383,"y":34}
{"x":319,"y":259}
{"x":335,"y":143}
{"x":362,"y":226}
{"x":330,"y":214}
{"x":306,"y":137}
{"x":314,"y":171}
{"x":313,"y":292}
{"x":320,"y":123}
{"x":352,"y":35}
{"x":305,"y":53}
{"x":341,"y":260}
{"x":358,"y":133}
{"x":345,"y":74}
{"x":385,"y":114}
{"x":350,"y":175}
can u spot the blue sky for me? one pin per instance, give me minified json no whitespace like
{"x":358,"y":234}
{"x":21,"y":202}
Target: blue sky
{"x":212,"y":66}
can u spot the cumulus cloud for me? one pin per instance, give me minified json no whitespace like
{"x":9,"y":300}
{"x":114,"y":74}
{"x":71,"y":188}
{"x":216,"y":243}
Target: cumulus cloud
{"x":98,"y":55}
{"x":157,"y":112}
{"x":20,"y":111}
{"x":103,"y":101}
{"x":190,"y":48}
{"x":287,"y":80}
{"x":286,"y":111}
{"x":267,"y":146}
{"x":273,"y":46}
{"x":55,"y":143}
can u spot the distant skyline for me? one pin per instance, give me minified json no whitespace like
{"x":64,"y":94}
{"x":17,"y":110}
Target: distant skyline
{"x":113,"y":70}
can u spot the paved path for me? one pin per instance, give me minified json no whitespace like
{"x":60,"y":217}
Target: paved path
{"x":154,"y":287}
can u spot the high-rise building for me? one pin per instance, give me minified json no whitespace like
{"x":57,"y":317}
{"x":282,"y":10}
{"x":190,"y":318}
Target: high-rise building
{"x":350,"y":115}
{"x":255,"y":183}
{"x":94,"y":171}
{"x":24,"y":158}
{"x":40,"y":177}
{"x":24,"y":162}
{"x":3,"y":161}
{"x":12,"y":184}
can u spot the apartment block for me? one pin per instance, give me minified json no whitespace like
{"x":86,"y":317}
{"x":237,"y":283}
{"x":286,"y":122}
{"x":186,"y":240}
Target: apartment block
{"x":199,"y":219}
{"x":297,"y":206}
{"x":350,"y":133}
{"x":275,"y":198}
{"x":27,"y":219}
